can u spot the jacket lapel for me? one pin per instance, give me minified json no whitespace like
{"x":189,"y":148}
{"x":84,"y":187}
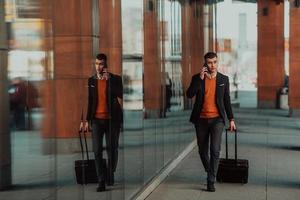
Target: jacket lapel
{"x":202,"y":85}
{"x":96,"y":88}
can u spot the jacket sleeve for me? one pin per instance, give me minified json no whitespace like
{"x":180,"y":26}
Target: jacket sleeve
{"x":90,"y":99}
{"x":227,"y":101}
{"x":119,"y":87}
{"x":194,"y":87}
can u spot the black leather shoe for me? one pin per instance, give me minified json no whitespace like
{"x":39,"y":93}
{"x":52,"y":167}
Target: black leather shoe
{"x":211,"y":187}
{"x":101,"y":186}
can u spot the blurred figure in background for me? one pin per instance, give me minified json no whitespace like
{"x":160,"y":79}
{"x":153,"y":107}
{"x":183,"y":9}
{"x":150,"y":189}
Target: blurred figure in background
{"x":32,"y":101}
{"x":17,"y":101}
{"x":168,"y":91}
{"x":23,"y":97}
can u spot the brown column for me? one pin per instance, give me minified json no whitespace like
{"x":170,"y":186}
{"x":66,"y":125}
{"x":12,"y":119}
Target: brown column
{"x":152,"y":72}
{"x":192,"y":42}
{"x":186,"y":11}
{"x":294,"y":71}
{"x":197,"y":36}
{"x":111,"y":33}
{"x":65,"y":95}
{"x":270,"y":52}
{"x":5,"y":147}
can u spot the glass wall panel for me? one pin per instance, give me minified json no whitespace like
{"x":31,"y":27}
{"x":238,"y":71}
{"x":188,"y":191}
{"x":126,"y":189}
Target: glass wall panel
{"x":171,"y":42}
{"x":33,"y":170}
{"x":132,"y":37}
{"x":50,"y":59}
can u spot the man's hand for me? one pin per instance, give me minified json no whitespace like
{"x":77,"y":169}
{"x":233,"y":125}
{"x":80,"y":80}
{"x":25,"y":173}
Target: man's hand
{"x":81,"y":126}
{"x":232,"y":126}
{"x":86,"y":126}
{"x":204,"y":72}
{"x":105,"y":74}
{"x":120,"y":102}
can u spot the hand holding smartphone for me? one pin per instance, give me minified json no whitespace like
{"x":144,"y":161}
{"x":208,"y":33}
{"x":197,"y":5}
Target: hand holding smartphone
{"x":105,"y":73}
{"x":205,"y":71}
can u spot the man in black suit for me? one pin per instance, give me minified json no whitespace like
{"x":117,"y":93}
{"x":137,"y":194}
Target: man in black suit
{"x":105,"y":116}
{"x":212,"y":101}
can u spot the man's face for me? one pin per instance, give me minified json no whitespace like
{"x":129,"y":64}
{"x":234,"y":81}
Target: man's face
{"x":99,"y":65}
{"x":212,"y":64}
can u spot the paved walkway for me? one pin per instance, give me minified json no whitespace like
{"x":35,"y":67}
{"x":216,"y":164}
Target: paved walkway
{"x":269,"y":140}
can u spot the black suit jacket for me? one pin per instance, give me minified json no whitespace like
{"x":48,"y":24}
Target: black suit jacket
{"x":197,"y":88}
{"x":114,"y":91}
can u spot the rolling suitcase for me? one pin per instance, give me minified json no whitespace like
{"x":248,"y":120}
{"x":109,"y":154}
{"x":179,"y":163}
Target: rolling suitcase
{"x":232,"y":170}
{"x":85,"y":169}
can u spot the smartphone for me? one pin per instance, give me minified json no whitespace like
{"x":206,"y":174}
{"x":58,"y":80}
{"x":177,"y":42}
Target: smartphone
{"x":104,"y":67}
{"x":207,"y":69}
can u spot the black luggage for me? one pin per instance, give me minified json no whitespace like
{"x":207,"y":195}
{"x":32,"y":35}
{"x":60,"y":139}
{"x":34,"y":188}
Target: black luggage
{"x":233,"y":170}
{"x":85,"y":169}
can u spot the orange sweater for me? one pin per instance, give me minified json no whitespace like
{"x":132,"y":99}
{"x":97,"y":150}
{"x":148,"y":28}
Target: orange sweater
{"x":210,"y":109}
{"x":102,"y":110}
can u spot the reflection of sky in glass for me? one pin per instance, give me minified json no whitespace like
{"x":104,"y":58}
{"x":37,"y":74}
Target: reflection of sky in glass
{"x":172,"y":17}
{"x":29,"y":64}
{"x":132,"y":27}
{"x":132,"y":36}
{"x":133,"y":85}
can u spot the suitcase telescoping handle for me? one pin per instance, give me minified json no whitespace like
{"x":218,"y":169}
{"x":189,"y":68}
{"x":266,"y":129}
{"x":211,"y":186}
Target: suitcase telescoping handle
{"x":82,"y":131}
{"x":235,"y":144}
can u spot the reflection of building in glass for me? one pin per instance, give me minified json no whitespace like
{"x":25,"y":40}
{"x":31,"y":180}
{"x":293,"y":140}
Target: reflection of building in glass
{"x":26,"y":26}
{"x":173,"y":51}
{"x":29,"y":9}
{"x":133,"y":85}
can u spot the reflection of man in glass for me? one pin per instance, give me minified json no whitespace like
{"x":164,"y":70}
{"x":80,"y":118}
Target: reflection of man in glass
{"x":211,"y":89}
{"x":104,"y":114}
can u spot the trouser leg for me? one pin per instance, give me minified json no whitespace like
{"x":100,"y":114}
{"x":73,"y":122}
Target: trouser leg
{"x":98,"y":130}
{"x":215,"y":130}
{"x":202,"y":141}
{"x":112,"y":145}
{"x":115,"y":134}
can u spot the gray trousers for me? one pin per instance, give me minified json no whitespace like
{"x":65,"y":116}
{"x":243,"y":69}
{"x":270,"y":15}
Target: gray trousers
{"x":209,"y":136}
{"x":101,"y":127}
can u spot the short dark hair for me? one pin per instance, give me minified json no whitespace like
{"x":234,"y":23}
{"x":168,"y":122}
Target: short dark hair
{"x":210,"y":55}
{"x":101,"y":56}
